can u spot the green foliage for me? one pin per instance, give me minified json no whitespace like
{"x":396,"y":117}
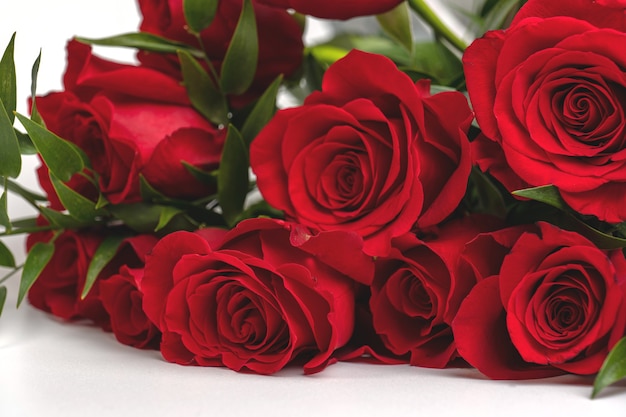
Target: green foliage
{"x":233,"y":179}
{"x":38,"y":257}
{"x":204,"y":94}
{"x":613,"y":369}
{"x":262,"y":112}
{"x":10,"y":157}
{"x":397,"y":24}
{"x":240,"y":61}
{"x":101,"y":258}
{"x":199,"y":13}
{"x":8,"y":85}
{"x":3,"y":297}
{"x":144,"y":42}
{"x":6,"y":257}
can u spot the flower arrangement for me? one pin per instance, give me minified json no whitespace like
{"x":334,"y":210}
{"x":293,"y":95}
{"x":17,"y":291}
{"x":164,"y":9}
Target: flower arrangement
{"x":421,"y":202}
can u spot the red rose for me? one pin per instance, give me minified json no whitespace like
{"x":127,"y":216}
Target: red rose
{"x":417,"y":291}
{"x":556,"y":304}
{"x":57,"y":290}
{"x":122,"y":298}
{"x":372,"y":153}
{"x":279,"y":34}
{"x":268,"y":296}
{"x":550,"y":92}
{"x":129,"y":121}
{"x":329,"y":9}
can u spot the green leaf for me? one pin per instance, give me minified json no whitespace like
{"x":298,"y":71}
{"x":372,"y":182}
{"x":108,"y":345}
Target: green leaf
{"x":166,"y":215}
{"x":548,"y":194}
{"x":8,"y":85}
{"x":241,"y":58}
{"x":26,"y":145}
{"x":6,"y":257}
{"x":202,"y":91}
{"x":144,"y":42}
{"x":10,"y":157}
{"x":435,"y":60}
{"x":27,"y":195}
{"x":4,"y":210}
{"x":148,"y":192}
{"x":78,"y":206}
{"x":613,"y":369}
{"x":483,"y":196}
{"x":103,"y":255}
{"x":61,"y":220}
{"x":209,"y":178}
{"x":28,"y":222}
{"x":262,"y":112}
{"x":3,"y":297}
{"x":34,"y":113}
{"x":199,"y":13}
{"x":233,"y":179}
{"x":397,"y":24}
{"x":145,"y":218}
{"x":62,"y":157}
{"x":37,"y":259}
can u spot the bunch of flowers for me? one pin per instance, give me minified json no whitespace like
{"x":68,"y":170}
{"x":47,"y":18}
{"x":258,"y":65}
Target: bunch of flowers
{"x":385,"y":219}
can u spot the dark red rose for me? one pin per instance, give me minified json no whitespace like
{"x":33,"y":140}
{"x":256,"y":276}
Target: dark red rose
{"x":268,"y":295}
{"x":417,"y":291}
{"x":372,"y":153}
{"x":550,"y":92}
{"x":329,"y":9}
{"x":57,"y":290}
{"x":129,"y":121}
{"x":556,"y":304}
{"x":122,"y":298}
{"x":280,"y":38}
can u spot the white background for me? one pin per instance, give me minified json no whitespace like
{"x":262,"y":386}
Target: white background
{"x":50,"y":368}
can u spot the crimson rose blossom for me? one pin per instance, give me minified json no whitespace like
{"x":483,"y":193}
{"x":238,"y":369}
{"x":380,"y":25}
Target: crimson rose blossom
{"x":555,"y":303}
{"x":550,"y":96}
{"x":417,"y":291}
{"x":279,"y":34}
{"x":122,"y":298}
{"x":332,"y":9}
{"x":373,"y":153}
{"x":271,"y":293}
{"x":129,"y":121}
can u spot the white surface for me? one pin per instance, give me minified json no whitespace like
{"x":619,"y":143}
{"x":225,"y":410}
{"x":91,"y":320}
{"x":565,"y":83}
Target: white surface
{"x":49,"y":368}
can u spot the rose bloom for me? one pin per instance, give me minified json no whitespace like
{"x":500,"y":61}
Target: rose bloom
{"x":270,"y":294}
{"x":129,"y":121}
{"x":554,"y":303}
{"x":373,"y":153}
{"x":279,"y":35}
{"x":122,"y":298}
{"x":550,"y":97}
{"x":329,"y":9}
{"x":417,"y":290}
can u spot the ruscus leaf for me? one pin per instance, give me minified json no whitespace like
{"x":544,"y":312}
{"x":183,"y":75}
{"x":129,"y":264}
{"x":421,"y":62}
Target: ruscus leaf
{"x":613,"y":369}
{"x":240,"y":61}
{"x":10,"y":156}
{"x":34,"y":113}
{"x":78,"y":206}
{"x":8,"y":85}
{"x":548,"y":194}
{"x":145,"y":42}
{"x":397,"y":24}
{"x":4,"y":210}
{"x":233,"y":179}
{"x":103,"y":255}
{"x":199,"y":13}
{"x":6,"y":257}
{"x":37,"y":259}
{"x":262,"y":112}
{"x":202,"y":91}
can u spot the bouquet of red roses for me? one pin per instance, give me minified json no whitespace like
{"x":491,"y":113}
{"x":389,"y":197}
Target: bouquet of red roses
{"x":411,"y":201}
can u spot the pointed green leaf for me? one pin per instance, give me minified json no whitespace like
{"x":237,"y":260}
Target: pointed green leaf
{"x":203,"y":94}
{"x":34,"y":113}
{"x":144,"y":42}
{"x":233,"y":179}
{"x":204,"y":177}
{"x":262,"y":112}
{"x":37,"y":259}
{"x":241,"y":58}
{"x":10,"y":157}
{"x":8,"y":86}
{"x":144,"y":217}
{"x":27,"y":195}
{"x":548,"y":194}
{"x":166,"y":216}
{"x":6,"y":257}
{"x":63,"y":221}
{"x":435,"y":60}
{"x":4,"y":210}
{"x":78,"y":206}
{"x":3,"y":297}
{"x":397,"y":24}
{"x":613,"y":369}
{"x":62,"y":157}
{"x":28,"y":222}
{"x":103,"y":255}
{"x":147,"y":191}
{"x":199,"y":13}
{"x":26,"y":145}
